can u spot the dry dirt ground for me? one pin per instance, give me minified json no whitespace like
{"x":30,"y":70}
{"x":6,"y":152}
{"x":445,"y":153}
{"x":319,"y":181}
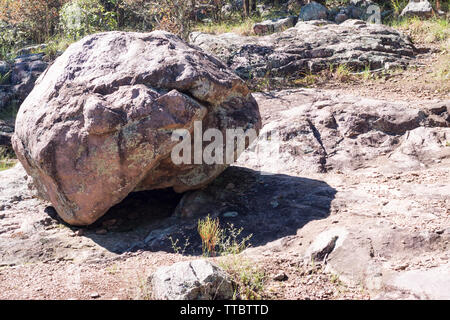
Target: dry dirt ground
{"x":425,"y":79}
{"x":390,"y":228}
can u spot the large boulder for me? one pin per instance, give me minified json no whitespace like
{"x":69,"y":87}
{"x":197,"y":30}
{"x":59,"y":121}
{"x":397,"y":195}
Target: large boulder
{"x":310,"y":47}
{"x":191,"y":280}
{"x":99,"y":123}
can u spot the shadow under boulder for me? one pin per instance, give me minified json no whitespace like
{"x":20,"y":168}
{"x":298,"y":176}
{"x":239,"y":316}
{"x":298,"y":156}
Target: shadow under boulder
{"x":268,"y":207}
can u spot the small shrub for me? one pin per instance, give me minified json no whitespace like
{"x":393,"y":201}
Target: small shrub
{"x":249,"y":278}
{"x":342,"y":73}
{"x":210,"y":232}
{"x":82,"y":17}
{"x":36,"y":19}
{"x":177,"y":248}
{"x":174,"y":16}
{"x":6,"y":160}
{"x":56,"y":46}
{"x":220,"y":241}
{"x":229,"y":240}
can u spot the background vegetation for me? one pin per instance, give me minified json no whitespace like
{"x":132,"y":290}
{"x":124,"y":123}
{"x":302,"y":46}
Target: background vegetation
{"x":26,"y":22}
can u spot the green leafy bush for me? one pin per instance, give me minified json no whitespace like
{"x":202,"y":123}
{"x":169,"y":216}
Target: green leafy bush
{"x":82,"y":17}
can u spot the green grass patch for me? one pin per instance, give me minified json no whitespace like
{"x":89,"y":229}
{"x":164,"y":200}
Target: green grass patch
{"x":56,"y":46}
{"x":435,"y":30}
{"x":9,"y":112}
{"x":235,"y":25}
{"x":6,"y":159}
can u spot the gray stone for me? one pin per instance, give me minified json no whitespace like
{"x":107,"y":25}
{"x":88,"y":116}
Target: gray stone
{"x":422,"y":9}
{"x":230,"y":214}
{"x":340,"y":17}
{"x":325,"y":243}
{"x":191,"y":280}
{"x":313,"y":11}
{"x":275,"y":25}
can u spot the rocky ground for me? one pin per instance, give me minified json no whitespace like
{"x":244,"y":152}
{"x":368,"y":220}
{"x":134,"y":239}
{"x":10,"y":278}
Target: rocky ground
{"x":370,"y":203}
{"x":354,"y":203}
{"x":309,"y":47}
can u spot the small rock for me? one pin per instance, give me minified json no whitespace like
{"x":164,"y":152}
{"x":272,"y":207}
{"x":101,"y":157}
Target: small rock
{"x":276,"y":25}
{"x":280,"y":277}
{"x":230,"y":214}
{"x":420,"y":8}
{"x":101,"y":231}
{"x":95,"y":295}
{"x":109,"y":223}
{"x":191,"y":280}
{"x":401,"y":266}
{"x":340,"y":17}
{"x":79,"y":232}
{"x":230,"y":186}
{"x":325,"y":243}
{"x":274,"y":204}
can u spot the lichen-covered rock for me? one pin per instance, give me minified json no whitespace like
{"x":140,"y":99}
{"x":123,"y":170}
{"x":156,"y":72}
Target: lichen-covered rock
{"x":310,"y":47}
{"x":191,"y":280}
{"x":98,"y":124}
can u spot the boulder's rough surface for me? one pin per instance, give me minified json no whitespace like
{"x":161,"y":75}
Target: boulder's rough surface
{"x":310,"y":46}
{"x":191,"y":280}
{"x":313,"y":11}
{"x":275,"y":25}
{"x":418,"y":8}
{"x":99,"y":123}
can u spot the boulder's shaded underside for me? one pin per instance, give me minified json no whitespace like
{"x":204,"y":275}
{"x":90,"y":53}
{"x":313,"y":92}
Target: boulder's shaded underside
{"x":310,"y":47}
{"x":99,"y":122}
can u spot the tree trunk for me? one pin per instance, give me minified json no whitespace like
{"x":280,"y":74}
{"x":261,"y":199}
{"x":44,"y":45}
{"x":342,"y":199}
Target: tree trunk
{"x":246,"y":4}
